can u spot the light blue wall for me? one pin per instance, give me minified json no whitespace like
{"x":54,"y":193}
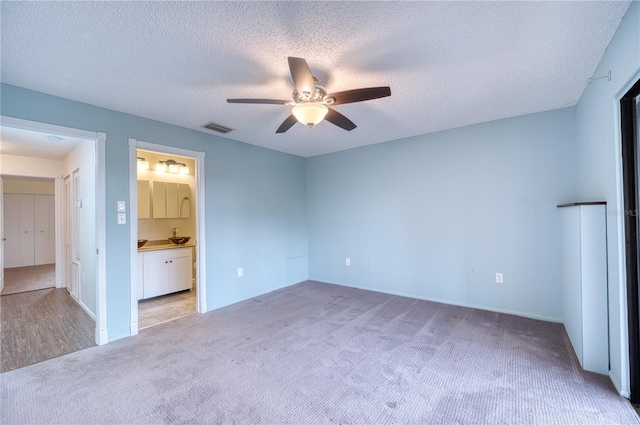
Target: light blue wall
{"x":598,"y":153}
{"x":255,"y":201}
{"x":438,"y":215}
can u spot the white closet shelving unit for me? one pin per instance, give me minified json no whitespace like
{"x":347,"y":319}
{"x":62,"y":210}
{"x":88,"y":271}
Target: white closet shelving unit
{"x":584,"y":264}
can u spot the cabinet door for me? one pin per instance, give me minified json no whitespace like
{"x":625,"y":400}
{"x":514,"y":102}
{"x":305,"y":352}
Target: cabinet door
{"x":159,"y":201}
{"x":11,"y":217}
{"x":27,"y":241}
{"x":180,"y":272}
{"x":144,"y":205}
{"x":154,"y":268}
{"x":41,"y":224}
{"x":184,"y":200}
{"x":171,"y":195}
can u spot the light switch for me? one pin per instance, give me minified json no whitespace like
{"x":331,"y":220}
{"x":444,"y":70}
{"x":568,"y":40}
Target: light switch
{"x":122,"y":206}
{"x":122,"y":218}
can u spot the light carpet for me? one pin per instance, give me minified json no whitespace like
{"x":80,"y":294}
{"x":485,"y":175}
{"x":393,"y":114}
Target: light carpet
{"x":315,"y":353}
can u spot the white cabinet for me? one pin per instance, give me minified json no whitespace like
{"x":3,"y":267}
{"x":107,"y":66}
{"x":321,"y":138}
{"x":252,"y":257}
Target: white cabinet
{"x":584,"y":265}
{"x":158,"y":190}
{"x":144,"y":201}
{"x":29,"y":222}
{"x":184,"y":200}
{"x":169,"y":200}
{"x":171,"y":196}
{"x":163,"y":272}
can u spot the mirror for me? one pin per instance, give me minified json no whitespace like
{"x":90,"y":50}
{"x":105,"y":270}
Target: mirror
{"x":184,"y":200}
{"x":159,"y":199}
{"x":171,"y":195}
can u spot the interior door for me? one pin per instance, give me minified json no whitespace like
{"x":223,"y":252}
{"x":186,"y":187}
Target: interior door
{"x":11,"y":237}
{"x":27,"y":240}
{"x":42,"y":254}
{"x":66,"y":234}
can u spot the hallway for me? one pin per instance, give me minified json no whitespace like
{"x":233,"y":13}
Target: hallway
{"x":40,"y":325}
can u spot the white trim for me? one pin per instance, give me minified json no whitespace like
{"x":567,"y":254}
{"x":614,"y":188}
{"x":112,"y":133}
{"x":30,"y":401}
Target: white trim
{"x":86,"y":309}
{"x":99,"y":148}
{"x":201,"y":286}
{"x":59,"y":220}
{"x":616,"y":384}
{"x":201,"y":263}
{"x":133,"y":236}
{"x":41,"y":127}
{"x":102,"y":335}
{"x":624,"y":384}
{"x":448,"y":302}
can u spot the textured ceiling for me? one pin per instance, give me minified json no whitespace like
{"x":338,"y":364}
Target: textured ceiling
{"x":449,"y":64}
{"x":14,"y":141}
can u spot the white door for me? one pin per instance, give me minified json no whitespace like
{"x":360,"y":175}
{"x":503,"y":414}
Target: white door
{"x":11,"y":212}
{"x":27,"y":241}
{"x":42,"y":251}
{"x":66,"y":234}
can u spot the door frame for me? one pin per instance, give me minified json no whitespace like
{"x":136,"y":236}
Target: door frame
{"x":630,"y":146}
{"x":201,"y":263}
{"x":99,"y":139}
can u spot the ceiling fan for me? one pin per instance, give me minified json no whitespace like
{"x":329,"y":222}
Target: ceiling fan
{"x":311,"y":99}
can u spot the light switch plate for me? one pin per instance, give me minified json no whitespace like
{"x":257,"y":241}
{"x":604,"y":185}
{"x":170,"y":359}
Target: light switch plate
{"x":122,"y":206}
{"x":122,"y":218}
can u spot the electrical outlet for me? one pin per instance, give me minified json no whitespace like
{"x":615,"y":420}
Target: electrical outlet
{"x":348,"y":261}
{"x":240,"y":272}
{"x":499,"y":278}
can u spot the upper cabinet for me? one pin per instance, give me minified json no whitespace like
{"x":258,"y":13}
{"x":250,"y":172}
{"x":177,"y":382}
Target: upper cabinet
{"x":168,"y":199}
{"x":184,"y":200}
{"x":144,"y":203}
{"x":159,"y":199}
{"x":171,"y":196}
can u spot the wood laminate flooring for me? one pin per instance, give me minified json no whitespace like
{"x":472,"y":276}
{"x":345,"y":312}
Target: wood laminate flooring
{"x":31,"y":278}
{"x":40,"y":325}
{"x":162,"y":309}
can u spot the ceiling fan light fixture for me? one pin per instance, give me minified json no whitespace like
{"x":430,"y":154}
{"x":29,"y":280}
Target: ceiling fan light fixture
{"x":310,"y":114}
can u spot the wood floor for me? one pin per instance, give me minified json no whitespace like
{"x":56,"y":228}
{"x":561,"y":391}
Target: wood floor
{"x":32,"y":278}
{"x":40,"y":325}
{"x":166,"y":308}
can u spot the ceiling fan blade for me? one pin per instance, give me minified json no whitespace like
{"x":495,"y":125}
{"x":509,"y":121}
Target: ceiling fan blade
{"x":260,"y":101}
{"x":335,"y":117}
{"x":287,"y":124}
{"x":302,"y":78}
{"x":357,"y":95}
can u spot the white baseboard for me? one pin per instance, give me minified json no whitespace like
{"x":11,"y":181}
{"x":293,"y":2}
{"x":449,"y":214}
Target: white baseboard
{"x":437,"y":300}
{"x":102,"y":337}
{"x":623,"y":393}
{"x":133,"y":328}
{"x":86,"y":309}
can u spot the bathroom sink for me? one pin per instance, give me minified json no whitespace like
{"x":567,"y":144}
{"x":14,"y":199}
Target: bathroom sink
{"x":180,"y":240}
{"x":141,"y":242}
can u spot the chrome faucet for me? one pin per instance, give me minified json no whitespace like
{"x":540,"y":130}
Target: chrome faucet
{"x":175,"y":232}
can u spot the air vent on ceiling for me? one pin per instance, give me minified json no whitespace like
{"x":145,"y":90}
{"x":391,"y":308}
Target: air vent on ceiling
{"x":217,"y":127}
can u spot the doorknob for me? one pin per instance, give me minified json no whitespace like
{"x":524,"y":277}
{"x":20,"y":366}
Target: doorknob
{"x":4,"y":239}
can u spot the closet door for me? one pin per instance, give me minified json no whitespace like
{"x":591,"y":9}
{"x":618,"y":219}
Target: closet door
{"x":27,"y":241}
{"x":52,"y":229}
{"x":11,"y":230}
{"x":42,"y":214}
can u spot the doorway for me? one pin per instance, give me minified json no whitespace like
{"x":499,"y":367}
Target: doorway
{"x":166,"y":201}
{"x":38,"y":151}
{"x":630,"y":118}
